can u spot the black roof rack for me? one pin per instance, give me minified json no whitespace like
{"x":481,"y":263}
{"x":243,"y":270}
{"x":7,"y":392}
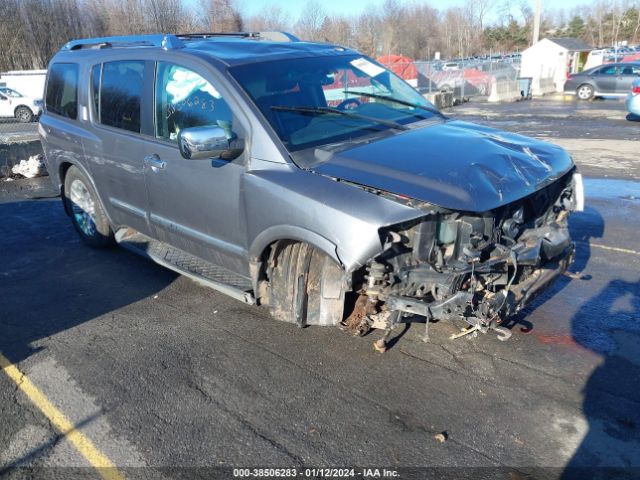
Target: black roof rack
{"x":272,"y":36}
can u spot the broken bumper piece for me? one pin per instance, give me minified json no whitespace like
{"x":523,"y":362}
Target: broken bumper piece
{"x":476,"y":269}
{"x":466,"y":305}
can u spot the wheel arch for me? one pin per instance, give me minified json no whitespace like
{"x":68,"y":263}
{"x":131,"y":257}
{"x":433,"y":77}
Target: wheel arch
{"x":261,"y":247}
{"x":301,"y":282}
{"x":63,"y":169}
{"x":22,"y":105}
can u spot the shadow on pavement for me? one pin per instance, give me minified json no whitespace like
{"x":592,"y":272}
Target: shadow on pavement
{"x":609,"y":324}
{"x":584,"y":227}
{"x":50,"y":281}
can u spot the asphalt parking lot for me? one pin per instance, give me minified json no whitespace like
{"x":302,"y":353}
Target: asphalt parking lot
{"x":158,"y":372}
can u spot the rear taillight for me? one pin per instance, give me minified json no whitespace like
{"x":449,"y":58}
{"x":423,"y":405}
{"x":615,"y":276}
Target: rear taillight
{"x":636,"y":90}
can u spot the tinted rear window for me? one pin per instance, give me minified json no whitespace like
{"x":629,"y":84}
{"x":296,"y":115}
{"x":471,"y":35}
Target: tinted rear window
{"x":62,"y":90}
{"x":121,"y":93}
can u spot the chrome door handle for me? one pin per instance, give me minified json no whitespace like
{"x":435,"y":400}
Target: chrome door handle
{"x":154,"y":161}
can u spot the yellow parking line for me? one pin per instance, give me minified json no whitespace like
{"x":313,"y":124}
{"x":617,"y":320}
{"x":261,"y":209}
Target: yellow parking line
{"x":87,"y":449}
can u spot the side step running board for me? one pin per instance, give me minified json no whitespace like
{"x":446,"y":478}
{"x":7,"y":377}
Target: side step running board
{"x":198,"y":270}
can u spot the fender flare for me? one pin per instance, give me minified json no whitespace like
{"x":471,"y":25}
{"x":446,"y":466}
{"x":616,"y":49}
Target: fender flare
{"x":291,"y":232}
{"x":25,"y":106}
{"x":286,"y":232}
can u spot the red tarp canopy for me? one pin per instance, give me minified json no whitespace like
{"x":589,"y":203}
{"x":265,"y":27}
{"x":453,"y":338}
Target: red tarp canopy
{"x":401,"y":66}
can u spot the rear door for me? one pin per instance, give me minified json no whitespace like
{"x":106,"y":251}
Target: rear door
{"x":628,"y":73}
{"x":194,"y":205}
{"x":114,"y":149}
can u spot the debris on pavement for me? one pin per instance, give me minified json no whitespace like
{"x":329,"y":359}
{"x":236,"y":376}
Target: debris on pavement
{"x":441,"y":437}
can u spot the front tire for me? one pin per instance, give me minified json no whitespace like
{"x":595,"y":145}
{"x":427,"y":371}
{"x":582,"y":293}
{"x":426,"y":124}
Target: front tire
{"x":87,"y":214}
{"x":24,"y":115}
{"x":585,"y":92}
{"x":306,"y":286}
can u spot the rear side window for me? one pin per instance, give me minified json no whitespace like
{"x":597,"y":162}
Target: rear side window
{"x":62,"y":90}
{"x":121,"y":94}
{"x":630,"y":70}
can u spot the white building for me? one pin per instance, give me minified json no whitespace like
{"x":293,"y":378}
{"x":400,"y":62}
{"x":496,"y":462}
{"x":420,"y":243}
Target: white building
{"x":29,"y":83}
{"x":550,"y":60}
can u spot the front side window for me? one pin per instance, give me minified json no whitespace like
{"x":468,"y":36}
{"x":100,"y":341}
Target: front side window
{"x":121,"y":94}
{"x":62,"y":90}
{"x":612,"y":70}
{"x":11,"y":93}
{"x":184,"y":99}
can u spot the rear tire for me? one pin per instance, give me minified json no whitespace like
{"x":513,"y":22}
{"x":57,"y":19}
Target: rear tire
{"x":306,"y":286}
{"x":87,"y":215}
{"x":585,"y":92}
{"x":23,"y":114}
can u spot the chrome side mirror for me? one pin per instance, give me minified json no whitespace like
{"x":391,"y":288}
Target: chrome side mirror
{"x":207,"y":143}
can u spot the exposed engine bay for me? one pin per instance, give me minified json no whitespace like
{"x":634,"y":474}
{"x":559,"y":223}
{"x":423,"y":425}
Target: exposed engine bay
{"x":477,"y":269}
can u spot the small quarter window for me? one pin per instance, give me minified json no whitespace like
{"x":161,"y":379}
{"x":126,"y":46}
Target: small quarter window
{"x":121,"y":94}
{"x":184,"y":99}
{"x":62,"y":90}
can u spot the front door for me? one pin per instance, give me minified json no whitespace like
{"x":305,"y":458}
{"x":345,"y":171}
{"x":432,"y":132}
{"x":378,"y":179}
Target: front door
{"x":194,"y":204}
{"x":5,"y":106}
{"x":606,"y":78}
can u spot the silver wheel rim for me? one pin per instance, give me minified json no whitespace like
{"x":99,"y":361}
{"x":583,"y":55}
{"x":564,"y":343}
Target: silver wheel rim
{"x":584,"y":92}
{"x":23,"y":114}
{"x":83,"y":207}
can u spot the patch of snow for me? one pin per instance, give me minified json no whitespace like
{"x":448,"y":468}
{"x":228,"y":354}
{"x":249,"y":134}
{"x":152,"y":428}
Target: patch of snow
{"x":34,"y":167}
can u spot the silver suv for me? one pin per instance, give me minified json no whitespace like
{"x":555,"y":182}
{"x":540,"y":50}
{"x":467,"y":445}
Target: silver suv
{"x":305,"y":177}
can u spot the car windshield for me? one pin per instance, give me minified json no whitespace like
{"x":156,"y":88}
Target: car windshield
{"x":321,"y":100}
{"x":10,"y":92}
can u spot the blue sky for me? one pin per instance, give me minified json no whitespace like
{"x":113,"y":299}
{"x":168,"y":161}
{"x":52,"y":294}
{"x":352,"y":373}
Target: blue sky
{"x":293,"y":7}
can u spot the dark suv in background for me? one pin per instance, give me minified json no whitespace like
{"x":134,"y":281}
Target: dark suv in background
{"x":305,"y":177}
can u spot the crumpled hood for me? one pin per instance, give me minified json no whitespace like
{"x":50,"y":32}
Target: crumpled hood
{"x":456,"y":165}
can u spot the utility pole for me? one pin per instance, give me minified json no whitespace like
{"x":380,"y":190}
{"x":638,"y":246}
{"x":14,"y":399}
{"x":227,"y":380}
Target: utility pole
{"x":536,"y":22}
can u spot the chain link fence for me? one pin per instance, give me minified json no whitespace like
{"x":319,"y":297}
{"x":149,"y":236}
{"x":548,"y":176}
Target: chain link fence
{"x":463,"y":79}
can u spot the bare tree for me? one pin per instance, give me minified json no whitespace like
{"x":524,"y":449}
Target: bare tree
{"x":309,"y":25}
{"x":164,"y":15}
{"x":221,"y":16}
{"x":270,"y":18}
{"x":366,"y":33}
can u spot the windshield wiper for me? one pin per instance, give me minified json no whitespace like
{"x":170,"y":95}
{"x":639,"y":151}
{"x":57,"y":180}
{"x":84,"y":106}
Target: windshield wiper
{"x":335,"y":111}
{"x":397,"y":100}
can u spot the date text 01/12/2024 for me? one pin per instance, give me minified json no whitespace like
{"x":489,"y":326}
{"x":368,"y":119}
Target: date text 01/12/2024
{"x":314,"y":472}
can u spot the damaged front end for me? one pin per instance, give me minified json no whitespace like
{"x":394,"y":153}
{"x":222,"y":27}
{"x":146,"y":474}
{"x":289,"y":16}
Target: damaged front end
{"x":474,"y":268}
